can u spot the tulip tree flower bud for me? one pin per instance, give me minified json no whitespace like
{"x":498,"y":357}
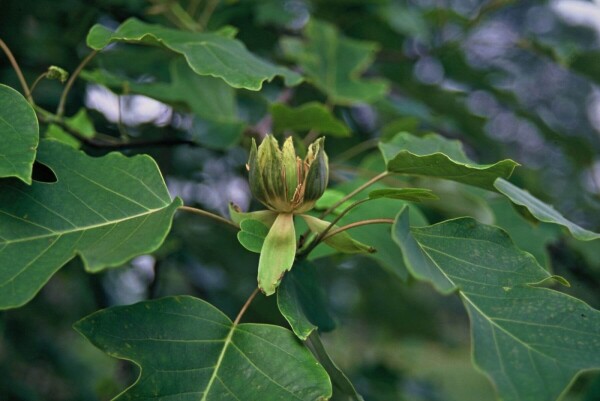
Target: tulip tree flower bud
{"x":287,"y":185}
{"x":284,"y":182}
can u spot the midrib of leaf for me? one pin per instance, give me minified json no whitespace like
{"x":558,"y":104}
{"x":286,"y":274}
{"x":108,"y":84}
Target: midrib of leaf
{"x":77,"y":229}
{"x":228,"y":341}
{"x":219,"y":362}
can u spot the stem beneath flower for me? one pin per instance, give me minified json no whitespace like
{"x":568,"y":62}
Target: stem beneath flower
{"x":208,"y":214}
{"x":356,"y":191}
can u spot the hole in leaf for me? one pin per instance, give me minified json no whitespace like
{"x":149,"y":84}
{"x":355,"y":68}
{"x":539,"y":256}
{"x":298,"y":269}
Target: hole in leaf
{"x":43,"y":173}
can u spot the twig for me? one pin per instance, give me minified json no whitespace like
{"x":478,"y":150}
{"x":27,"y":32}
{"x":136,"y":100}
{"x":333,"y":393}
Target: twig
{"x":245,"y":307}
{"x":37,"y":80}
{"x":358,"y":224}
{"x":17,"y":69}
{"x":63,"y":98}
{"x":357,"y":190}
{"x":207,"y":12}
{"x":208,"y":214}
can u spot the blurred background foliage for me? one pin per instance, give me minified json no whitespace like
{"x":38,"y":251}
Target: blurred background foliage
{"x":510,"y":79}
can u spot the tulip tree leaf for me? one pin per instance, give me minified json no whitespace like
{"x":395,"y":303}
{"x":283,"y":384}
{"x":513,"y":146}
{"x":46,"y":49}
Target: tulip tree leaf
{"x":301,"y":301}
{"x":309,"y":116}
{"x":19,"y":133}
{"x":277,"y":253}
{"x":189,"y":350}
{"x":252,"y":234}
{"x":407,"y":194}
{"x":531,"y":341}
{"x":435,"y":156}
{"x":334,"y":63}
{"x":214,"y":54}
{"x":210,"y":99}
{"x":106,"y":210}
{"x":542,"y":211}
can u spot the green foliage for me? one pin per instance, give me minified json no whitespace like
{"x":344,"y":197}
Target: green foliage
{"x":19,"y":133}
{"x":425,"y":107}
{"x":188,"y":349}
{"x":320,"y":57}
{"x":214,"y":54}
{"x":516,"y":325}
{"x":435,"y":156}
{"x":309,"y":116}
{"x":106,"y":210}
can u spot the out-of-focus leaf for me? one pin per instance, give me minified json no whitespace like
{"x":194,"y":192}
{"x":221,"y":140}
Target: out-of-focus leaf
{"x":213,"y":54}
{"x":343,"y":389}
{"x":79,"y":122}
{"x":252,"y":234}
{"x":531,"y":341}
{"x":210,"y":99}
{"x":342,"y":242}
{"x":301,"y":301}
{"x":407,"y":194}
{"x":309,"y":116}
{"x":19,"y":135}
{"x":106,"y":210}
{"x":334,"y":63}
{"x":542,"y":211}
{"x":436,"y":156}
{"x":189,"y":350}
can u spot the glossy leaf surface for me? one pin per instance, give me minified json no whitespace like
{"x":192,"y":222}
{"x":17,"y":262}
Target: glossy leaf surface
{"x":531,"y":341}
{"x":189,"y":350}
{"x":106,"y":210}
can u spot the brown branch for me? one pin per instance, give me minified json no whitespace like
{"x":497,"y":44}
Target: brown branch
{"x":17,"y":69}
{"x":245,"y":307}
{"x":63,"y":98}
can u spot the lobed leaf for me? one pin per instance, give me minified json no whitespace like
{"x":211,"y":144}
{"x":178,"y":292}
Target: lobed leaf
{"x":20,"y":135}
{"x":107,"y":210}
{"x":214,"y":54}
{"x":189,"y":350}
{"x":334,"y":63}
{"x":532,"y":342}
{"x":435,"y":156}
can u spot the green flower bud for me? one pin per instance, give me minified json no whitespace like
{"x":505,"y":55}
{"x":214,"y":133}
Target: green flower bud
{"x":282,"y":181}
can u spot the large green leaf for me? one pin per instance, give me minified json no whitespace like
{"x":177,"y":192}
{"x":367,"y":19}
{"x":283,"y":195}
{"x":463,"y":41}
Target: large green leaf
{"x":188,"y":350}
{"x":435,"y":156}
{"x":309,"y":116}
{"x":541,"y":210}
{"x":531,"y":341}
{"x":210,"y":99}
{"x":334,"y":63}
{"x":106,"y":210}
{"x":213,"y":54}
{"x":18,"y":133}
{"x":301,"y":301}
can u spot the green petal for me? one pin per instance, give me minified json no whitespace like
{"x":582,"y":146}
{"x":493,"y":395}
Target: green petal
{"x":255,"y":177}
{"x":270,"y":168}
{"x":277,"y":254}
{"x":342,"y":242}
{"x":318,"y":173}
{"x":290,"y":167}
